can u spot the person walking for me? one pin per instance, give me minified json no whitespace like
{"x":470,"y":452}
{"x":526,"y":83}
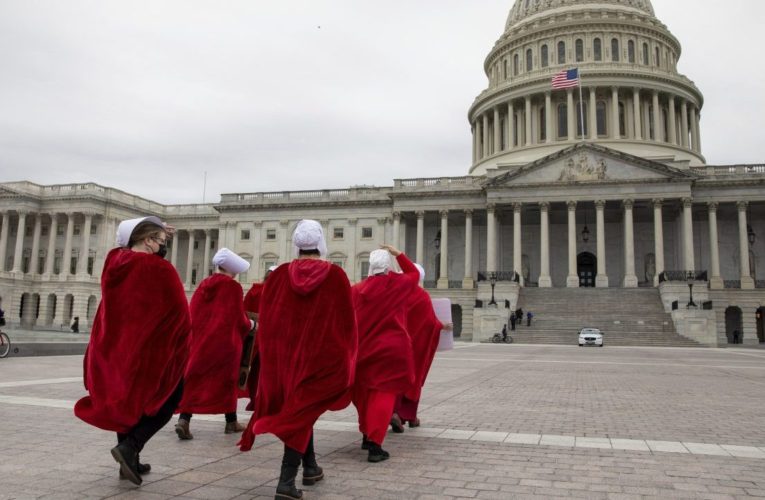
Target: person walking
{"x":504,"y":333}
{"x":138,"y":348}
{"x":75,"y":326}
{"x":513,"y":319}
{"x":529,"y":315}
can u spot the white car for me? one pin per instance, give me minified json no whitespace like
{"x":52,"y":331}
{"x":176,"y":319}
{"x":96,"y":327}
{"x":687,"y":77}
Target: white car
{"x":590,"y":336}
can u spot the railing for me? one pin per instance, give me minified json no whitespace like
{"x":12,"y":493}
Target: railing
{"x":683,"y":276}
{"x":354,"y":193}
{"x":442,"y":182}
{"x":501,"y":276}
{"x":455,"y":284}
{"x":759,"y":284}
{"x":732,"y":283}
{"x":429,"y":283}
{"x":713,"y":170}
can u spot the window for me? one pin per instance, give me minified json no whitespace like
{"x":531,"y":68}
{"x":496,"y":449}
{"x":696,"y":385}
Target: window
{"x":614,"y":50}
{"x":59,"y":230}
{"x":658,"y":58}
{"x":57,"y":263}
{"x":581,"y":119}
{"x":545,"y":56}
{"x":622,"y":120}
{"x":44,"y":231}
{"x":270,"y":234}
{"x":515,"y":65}
{"x":194,"y":276}
{"x":364,"y":269}
{"x":631,"y":51}
{"x":600,"y":112}
{"x":529,"y":60}
{"x":93,"y":229}
{"x":338,"y":233}
{"x":651,"y":124}
{"x":579,"y":50}
{"x":504,"y":72}
{"x":542,"y":124}
{"x":597,"y":49}
{"x":91,"y":260}
{"x":25,"y":264}
{"x":212,"y":244}
{"x":245,"y":235}
{"x":664,"y":117}
{"x":366,"y":232}
{"x":645,"y":54}
{"x":76,"y":229}
{"x":73,"y":265}
{"x":268,"y":264}
{"x":40,"y":264}
{"x":561,"y":52}
{"x":196,"y":244}
{"x":562,"y":121}
{"x":28,"y":231}
{"x":338,"y":263}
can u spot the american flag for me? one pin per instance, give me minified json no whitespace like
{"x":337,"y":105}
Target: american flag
{"x":566,"y":79}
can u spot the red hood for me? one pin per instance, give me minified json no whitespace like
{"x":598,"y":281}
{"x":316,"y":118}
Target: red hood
{"x":209,"y":287}
{"x":307,"y":274}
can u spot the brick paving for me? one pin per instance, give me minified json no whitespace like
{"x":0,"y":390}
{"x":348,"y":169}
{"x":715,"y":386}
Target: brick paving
{"x":498,"y":422}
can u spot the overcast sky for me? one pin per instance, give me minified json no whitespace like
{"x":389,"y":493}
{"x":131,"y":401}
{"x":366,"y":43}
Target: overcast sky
{"x":147,"y":95}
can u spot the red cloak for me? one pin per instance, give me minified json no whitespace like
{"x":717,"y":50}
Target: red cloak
{"x":425,"y":330}
{"x":385,"y":349}
{"x":307,"y":345}
{"x":218,"y":325}
{"x":139,"y":342}
{"x":252,"y":304}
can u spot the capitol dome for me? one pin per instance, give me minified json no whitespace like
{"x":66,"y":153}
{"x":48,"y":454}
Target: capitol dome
{"x":633,"y":99}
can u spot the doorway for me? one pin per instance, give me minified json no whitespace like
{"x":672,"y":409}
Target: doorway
{"x":734,"y":325}
{"x":586,"y":268}
{"x":760,"y":317}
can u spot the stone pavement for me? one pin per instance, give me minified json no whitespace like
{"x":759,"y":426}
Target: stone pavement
{"x":499,"y":421}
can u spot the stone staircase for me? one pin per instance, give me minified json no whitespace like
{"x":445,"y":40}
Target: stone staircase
{"x":627,"y":317}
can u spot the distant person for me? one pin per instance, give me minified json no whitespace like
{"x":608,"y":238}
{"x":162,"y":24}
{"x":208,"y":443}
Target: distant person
{"x":504,"y":333}
{"x":2,"y":317}
{"x":529,"y":315}
{"x":513,"y":319}
{"x":75,"y":326}
{"x":736,"y":336}
{"x":519,"y":316}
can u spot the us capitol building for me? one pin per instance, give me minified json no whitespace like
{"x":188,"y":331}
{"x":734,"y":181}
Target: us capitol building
{"x":602,"y":214}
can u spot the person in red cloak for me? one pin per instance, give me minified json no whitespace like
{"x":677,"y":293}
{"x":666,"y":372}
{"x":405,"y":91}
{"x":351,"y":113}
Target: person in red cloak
{"x":218,"y":326}
{"x":385,"y":366}
{"x":138,"y":347}
{"x":424,"y":329}
{"x":307,"y":345}
{"x":252,"y":307}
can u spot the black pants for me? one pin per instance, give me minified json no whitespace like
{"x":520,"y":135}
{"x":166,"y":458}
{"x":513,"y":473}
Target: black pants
{"x":293,"y":458}
{"x":140,"y":434}
{"x":230,"y":417}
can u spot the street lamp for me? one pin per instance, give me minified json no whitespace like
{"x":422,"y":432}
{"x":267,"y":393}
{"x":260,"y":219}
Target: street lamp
{"x":437,"y":241}
{"x":585,"y":231}
{"x":493,"y":281}
{"x":691,"y":277}
{"x":750,"y":234}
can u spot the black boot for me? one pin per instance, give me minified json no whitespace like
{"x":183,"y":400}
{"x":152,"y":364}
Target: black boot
{"x":376,"y":453}
{"x":142,"y":468}
{"x":126,"y":455}
{"x":286,"y":489}
{"x":312,"y":473}
{"x":365,"y":442}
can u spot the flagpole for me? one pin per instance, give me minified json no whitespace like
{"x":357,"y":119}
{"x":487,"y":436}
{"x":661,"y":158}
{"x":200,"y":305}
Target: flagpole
{"x":581,"y":106}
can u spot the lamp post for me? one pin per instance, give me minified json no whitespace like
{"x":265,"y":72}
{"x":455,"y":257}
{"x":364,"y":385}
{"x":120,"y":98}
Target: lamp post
{"x":750,"y":234}
{"x":493,"y":281}
{"x":691,"y":277}
{"x":585,"y":231}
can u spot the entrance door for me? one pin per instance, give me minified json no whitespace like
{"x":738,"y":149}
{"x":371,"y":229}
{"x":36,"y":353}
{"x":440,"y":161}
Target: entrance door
{"x":761,"y":324}
{"x":586,"y":268}
{"x":734,"y":327}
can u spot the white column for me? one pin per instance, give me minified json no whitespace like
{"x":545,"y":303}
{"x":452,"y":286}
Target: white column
{"x":747,"y":283}
{"x":353,"y":237}
{"x":467,"y":281}
{"x":67,"y":256}
{"x":517,"y":243}
{"x":443,"y":278}
{"x":4,"y":240}
{"x":684,"y":124}
{"x":615,"y":132}
{"x":497,"y":132}
{"x":34,"y":267}
{"x":695,"y":129}
{"x":548,"y":118}
{"x":206,"y":265}
{"x":486,"y":151}
{"x":630,"y":279}
{"x":19,"y":252}
{"x":657,"y":135}
{"x":190,"y":259}
{"x":658,"y":238}
{"x":636,"y":113}
{"x":715,"y":281}
{"x":396,"y":229}
{"x":82,"y":262}
{"x":475,"y":141}
{"x":52,"y":235}
{"x":529,"y":134}
{"x":510,"y":125}
{"x":571,"y":114}
{"x":420,"y":249}
{"x":572,"y":281}
{"x":544,"y":273}
{"x":689,"y":258}
{"x":601,"y":280}
{"x":593,"y":113}
{"x":403,"y":235}
{"x":174,"y":250}
{"x":672,"y":123}
{"x":491,"y":239}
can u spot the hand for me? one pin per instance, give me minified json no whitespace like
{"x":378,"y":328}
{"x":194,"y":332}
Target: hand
{"x":393,"y":250}
{"x":252,"y":324}
{"x":170,"y":230}
{"x":448,"y":327}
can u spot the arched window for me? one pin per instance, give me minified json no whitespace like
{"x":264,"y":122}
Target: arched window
{"x":631,"y":51}
{"x":645,"y":54}
{"x":562,"y":121}
{"x":614,"y":50}
{"x":664,"y":121}
{"x":658,"y":57}
{"x":581,"y":119}
{"x":600,"y":112}
{"x":651,"y":124}
{"x":529,"y":60}
{"x":515,"y":65}
{"x":622,"y":120}
{"x":597,"y":49}
{"x":561,"y":52}
{"x":504,"y":72}
{"x":545,"y":56}
{"x":542,"y":124}
{"x":579,"y":50}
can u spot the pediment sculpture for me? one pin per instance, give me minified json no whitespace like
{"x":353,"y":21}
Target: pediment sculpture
{"x":583,"y":168}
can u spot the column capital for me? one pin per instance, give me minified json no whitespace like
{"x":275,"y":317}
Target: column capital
{"x":517,"y":207}
{"x":600,"y":204}
{"x":420,"y":214}
{"x":444,"y":213}
{"x":397,"y":216}
{"x":687,"y":202}
{"x":352,"y":222}
{"x":570,"y":91}
{"x":544,"y":206}
{"x":614,"y":88}
{"x":23,"y":211}
{"x":382,"y":221}
{"x":548,"y":94}
{"x":655,"y":93}
{"x":468,"y":212}
{"x":571,"y":204}
{"x":284,"y":223}
{"x":712,"y":206}
{"x":742,"y":205}
{"x":657,"y":202}
{"x":257,"y":223}
{"x":491,"y":207}
{"x":628,"y":204}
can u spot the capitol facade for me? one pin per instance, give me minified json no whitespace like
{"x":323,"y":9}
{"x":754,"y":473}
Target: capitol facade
{"x":598,"y":188}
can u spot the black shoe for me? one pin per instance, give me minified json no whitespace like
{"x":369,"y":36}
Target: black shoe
{"x":396,"y":424}
{"x":376,"y":453}
{"x":286,"y":489}
{"x":127,"y":457}
{"x":365,"y":442}
{"x":142,"y":469}
{"x":312,"y":475}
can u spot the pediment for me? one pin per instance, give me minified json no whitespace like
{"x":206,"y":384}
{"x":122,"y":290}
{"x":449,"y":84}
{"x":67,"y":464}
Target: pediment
{"x":590,"y":164}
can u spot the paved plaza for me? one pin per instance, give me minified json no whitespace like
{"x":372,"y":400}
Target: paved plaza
{"x":499,"y":421}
